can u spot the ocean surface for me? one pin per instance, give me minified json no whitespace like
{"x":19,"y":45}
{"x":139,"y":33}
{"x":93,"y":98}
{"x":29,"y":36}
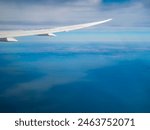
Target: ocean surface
{"x":69,"y":77}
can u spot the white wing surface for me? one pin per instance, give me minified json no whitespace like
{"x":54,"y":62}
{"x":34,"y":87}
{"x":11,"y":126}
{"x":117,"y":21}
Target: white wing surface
{"x":9,"y":36}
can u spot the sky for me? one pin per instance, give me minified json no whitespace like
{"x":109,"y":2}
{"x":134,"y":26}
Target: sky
{"x":125,"y":13}
{"x":131,"y":19}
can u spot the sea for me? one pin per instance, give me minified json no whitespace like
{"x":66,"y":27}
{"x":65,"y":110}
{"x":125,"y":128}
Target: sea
{"x":95,"y":77}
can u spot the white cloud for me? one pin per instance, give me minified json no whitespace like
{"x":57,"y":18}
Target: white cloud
{"x":74,"y":12}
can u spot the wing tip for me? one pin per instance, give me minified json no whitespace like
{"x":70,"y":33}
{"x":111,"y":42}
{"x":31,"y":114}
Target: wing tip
{"x":108,"y":19}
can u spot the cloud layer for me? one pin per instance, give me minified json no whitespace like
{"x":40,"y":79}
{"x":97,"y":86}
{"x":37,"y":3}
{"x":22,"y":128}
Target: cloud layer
{"x":126,"y":13}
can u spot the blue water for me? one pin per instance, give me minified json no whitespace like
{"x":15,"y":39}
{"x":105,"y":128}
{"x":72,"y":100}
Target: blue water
{"x":83,"y":77}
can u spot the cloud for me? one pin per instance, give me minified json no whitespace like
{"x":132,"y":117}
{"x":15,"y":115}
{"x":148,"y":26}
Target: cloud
{"x":128,"y":13}
{"x":45,"y":12}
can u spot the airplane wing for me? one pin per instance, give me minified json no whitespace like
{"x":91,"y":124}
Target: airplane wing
{"x":9,"y":36}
